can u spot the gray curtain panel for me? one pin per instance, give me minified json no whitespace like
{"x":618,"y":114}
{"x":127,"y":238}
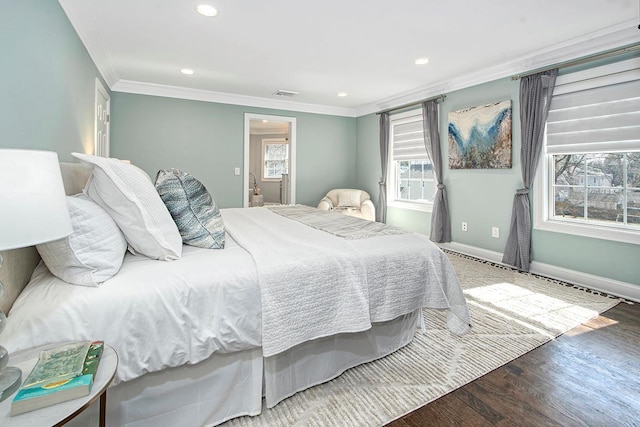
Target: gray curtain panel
{"x":440,"y":219}
{"x":535,"y":97}
{"x":381,"y":208}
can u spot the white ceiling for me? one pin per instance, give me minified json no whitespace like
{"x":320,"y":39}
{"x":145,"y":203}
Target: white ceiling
{"x":365,"y":48}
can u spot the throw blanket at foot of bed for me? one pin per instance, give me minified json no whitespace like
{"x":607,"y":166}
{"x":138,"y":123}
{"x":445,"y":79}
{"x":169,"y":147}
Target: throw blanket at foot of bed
{"x":315,"y":284}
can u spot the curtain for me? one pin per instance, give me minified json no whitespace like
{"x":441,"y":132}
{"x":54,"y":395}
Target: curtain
{"x":535,"y":97}
{"x":440,"y":220}
{"x":381,"y":209}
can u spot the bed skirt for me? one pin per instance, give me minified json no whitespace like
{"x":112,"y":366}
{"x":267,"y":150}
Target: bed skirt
{"x":227,"y":386}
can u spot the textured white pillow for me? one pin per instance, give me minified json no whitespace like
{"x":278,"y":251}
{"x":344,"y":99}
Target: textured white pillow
{"x":349,"y":198}
{"x":128,"y":195}
{"x":94,"y":251}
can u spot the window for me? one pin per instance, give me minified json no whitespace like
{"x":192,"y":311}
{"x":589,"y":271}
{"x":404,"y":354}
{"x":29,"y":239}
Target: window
{"x":590,"y":176}
{"x":275,"y":158}
{"x":411,"y":183}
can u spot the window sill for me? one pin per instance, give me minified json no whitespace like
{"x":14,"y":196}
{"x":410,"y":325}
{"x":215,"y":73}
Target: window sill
{"x":588,"y":230}
{"x":422,"y":207}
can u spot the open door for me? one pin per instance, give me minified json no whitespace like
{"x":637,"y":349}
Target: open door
{"x":269,"y":160}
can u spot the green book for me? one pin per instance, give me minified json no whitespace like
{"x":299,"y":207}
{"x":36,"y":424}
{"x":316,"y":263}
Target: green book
{"x":56,"y":377}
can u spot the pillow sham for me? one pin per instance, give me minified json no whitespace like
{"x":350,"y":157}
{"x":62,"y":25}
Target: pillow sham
{"x":349,"y":198}
{"x":94,"y":251}
{"x":128,"y":195}
{"x":192,"y":208}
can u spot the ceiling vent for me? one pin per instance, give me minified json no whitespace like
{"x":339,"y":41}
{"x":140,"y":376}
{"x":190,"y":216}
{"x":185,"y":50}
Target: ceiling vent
{"x":288,"y":93}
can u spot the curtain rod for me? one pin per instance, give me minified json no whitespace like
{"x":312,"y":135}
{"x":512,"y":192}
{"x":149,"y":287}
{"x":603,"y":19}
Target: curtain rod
{"x":401,"y":107}
{"x":590,"y":58}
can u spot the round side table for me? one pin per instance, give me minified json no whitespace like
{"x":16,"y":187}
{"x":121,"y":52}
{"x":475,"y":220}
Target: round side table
{"x":60,"y":413}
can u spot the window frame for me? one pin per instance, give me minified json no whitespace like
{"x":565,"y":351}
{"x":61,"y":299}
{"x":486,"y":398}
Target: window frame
{"x":542,"y":219}
{"x":392,"y":166}
{"x":272,"y":141}
{"x":543,"y":195}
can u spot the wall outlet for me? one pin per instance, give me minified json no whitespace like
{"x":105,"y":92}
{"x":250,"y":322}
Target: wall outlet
{"x":495,"y":232}
{"x":464,"y":226}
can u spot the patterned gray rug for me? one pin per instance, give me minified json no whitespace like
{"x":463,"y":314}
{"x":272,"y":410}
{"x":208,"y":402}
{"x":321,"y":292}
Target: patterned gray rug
{"x":512,"y":314}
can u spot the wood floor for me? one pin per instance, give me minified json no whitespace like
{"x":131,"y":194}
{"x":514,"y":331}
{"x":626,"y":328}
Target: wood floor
{"x":589,"y":376}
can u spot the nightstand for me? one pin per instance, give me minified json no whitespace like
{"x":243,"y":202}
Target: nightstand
{"x":60,"y":413}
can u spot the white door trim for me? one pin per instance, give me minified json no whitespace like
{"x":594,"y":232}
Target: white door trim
{"x":101,"y":148}
{"x":247,"y":145}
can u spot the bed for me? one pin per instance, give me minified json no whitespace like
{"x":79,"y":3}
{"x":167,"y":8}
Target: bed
{"x":296,"y":297}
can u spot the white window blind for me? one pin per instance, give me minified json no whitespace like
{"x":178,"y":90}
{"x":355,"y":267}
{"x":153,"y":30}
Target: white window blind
{"x":408,"y":139}
{"x":595,"y":115}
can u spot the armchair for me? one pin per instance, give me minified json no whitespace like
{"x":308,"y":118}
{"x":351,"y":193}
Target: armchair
{"x":350,"y":202}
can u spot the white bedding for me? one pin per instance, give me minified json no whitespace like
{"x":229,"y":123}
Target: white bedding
{"x":156,"y":314}
{"x":276,"y":284}
{"x":314,"y":284}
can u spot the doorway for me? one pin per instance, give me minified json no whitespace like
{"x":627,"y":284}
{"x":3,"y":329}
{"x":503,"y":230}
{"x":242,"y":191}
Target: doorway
{"x":269,"y":160}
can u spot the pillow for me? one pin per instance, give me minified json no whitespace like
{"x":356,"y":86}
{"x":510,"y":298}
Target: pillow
{"x":128,"y":195}
{"x":93,"y":252}
{"x":349,"y":198}
{"x":192,"y":208}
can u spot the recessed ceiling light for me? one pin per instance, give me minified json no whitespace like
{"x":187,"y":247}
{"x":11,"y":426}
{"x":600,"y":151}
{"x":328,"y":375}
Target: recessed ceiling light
{"x":342,"y":94}
{"x":206,"y":10}
{"x":422,"y":61}
{"x":265,"y":121}
{"x":187,"y":71}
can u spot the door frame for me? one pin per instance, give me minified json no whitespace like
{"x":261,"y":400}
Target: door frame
{"x":247,"y":150}
{"x":100,"y":149}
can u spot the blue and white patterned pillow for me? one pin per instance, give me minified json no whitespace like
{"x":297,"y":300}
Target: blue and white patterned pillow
{"x":192,"y":209}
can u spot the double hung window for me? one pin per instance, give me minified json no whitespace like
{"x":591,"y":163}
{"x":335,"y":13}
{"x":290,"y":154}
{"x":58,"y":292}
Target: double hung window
{"x":590,"y":176}
{"x":275,"y":158}
{"x":411,"y":183}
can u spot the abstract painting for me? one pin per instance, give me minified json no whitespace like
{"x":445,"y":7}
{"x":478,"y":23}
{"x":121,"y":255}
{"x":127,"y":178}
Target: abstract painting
{"x":480,"y":137}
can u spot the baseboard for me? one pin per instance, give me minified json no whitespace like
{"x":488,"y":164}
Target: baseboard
{"x":609,"y":286}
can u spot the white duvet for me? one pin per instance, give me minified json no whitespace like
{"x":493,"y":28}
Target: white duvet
{"x":315,"y":284}
{"x":155,"y":314}
{"x":277,"y":283}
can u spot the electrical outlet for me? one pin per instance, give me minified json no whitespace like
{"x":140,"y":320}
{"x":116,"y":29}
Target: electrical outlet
{"x":464,"y":226}
{"x":495,"y":232}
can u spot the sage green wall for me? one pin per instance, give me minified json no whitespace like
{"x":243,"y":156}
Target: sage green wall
{"x":206,"y":140}
{"x":484,"y":198}
{"x":47,"y":80}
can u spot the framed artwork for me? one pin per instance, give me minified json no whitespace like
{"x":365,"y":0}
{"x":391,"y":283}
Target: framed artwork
{"x":480,"y":137}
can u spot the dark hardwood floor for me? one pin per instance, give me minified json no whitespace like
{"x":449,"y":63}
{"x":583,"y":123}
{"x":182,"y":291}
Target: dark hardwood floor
{"x":589,"y":376}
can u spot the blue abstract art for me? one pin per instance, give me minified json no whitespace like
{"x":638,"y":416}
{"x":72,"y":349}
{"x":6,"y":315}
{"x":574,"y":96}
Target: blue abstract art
{"x":480,"y":137}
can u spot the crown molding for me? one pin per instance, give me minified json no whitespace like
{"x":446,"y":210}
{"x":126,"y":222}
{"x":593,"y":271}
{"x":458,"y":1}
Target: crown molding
{"x":91,"y":39}
{"x":611,"y":38}
{"x":607,"y":39}
{"x":154,"y":89}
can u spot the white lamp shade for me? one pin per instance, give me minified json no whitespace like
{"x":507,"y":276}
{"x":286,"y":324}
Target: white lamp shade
{"x":33,"y":206}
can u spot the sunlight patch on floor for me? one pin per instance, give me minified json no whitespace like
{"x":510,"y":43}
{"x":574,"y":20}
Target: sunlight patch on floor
{"x":529,"y":307}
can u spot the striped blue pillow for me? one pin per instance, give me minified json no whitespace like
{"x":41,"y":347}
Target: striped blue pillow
{"x":192,"y":208}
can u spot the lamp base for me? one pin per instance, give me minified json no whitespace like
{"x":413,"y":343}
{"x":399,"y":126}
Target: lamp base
{"x":10,"y":380}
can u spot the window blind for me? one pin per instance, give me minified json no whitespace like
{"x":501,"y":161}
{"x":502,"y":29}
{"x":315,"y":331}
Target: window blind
{"x":599,"y":115}
{"x":408,"y":139}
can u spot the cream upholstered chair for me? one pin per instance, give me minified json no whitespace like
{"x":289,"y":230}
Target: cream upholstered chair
{"x":350,"y":202}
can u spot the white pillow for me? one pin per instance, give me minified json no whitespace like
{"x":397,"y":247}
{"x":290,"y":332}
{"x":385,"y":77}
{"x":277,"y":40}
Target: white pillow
{"x":128,"y":195}
{"x":94,"y":251}
{"x":349,"y":198}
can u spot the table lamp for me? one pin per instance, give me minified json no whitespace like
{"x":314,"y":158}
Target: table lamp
{"x":33,"y":209}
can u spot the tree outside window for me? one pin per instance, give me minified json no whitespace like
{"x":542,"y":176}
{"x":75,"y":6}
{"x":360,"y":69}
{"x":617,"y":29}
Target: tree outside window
{"x":597,"y":187}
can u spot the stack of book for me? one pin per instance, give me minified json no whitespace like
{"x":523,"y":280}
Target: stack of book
{"x":60,"y":374}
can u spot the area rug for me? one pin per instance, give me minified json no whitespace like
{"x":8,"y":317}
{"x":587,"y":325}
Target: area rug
{"x":512,"y":314}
